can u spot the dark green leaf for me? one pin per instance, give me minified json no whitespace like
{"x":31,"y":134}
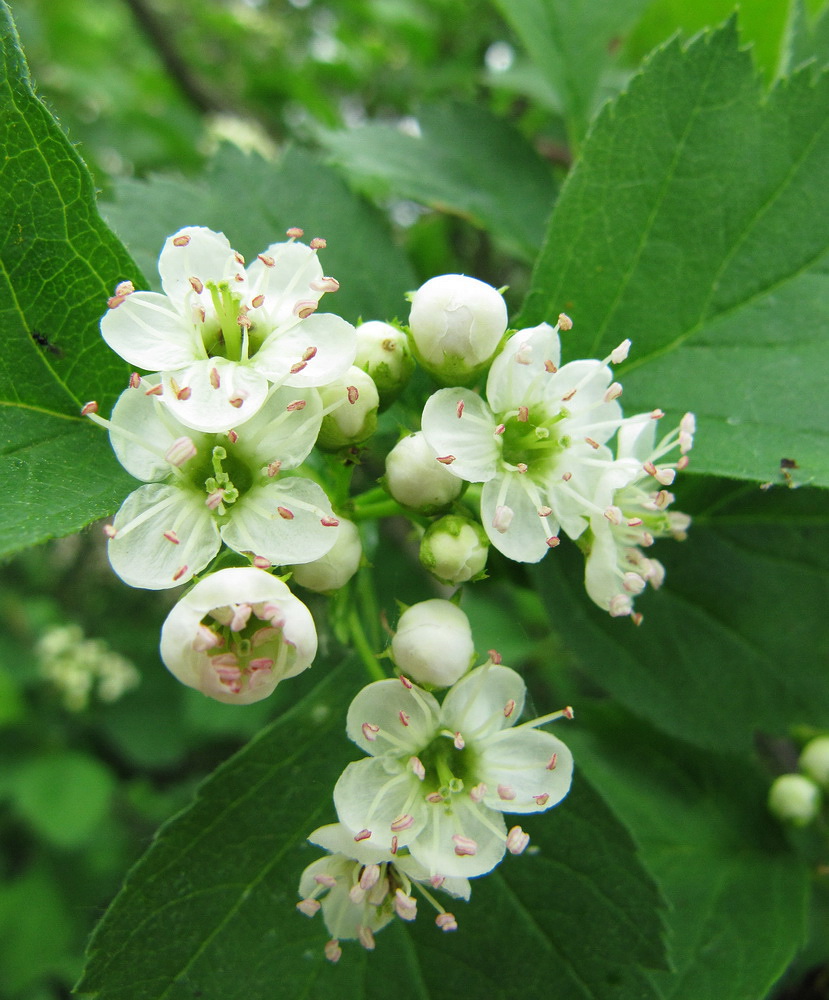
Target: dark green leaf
{"x":695,"y":224}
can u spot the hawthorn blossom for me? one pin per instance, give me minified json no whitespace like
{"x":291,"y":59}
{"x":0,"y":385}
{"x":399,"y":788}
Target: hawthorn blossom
{"x":220,"y":332}
{"x":237,"y":634}
{"x":537,"y":443}
{"x":632,"y":511}
{"x":205,"y":489}
{"x":360,"y":888}
{"x":441,"y":776}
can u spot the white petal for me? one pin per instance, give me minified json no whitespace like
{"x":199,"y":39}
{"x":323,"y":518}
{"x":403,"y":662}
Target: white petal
{"x":601,"y":575}
{"x":477,"y":705}
{"x":380,"y":704}
{"x":257,"y":525}
{"x":589,"y":416}
{"x":339,"y":839}
{"x":518,"y":375}
{"x":470,"y":438}
{"x":525,"y":539}
{"x":520,"y":761}
{"x":434,"y":847}
{"x":333,"y":339}
{"x":149,"y":332}
{"x":370,"y":796}
{"x":240,"y":393}
{"x":207,"y":256}
{"x":453,"y":886}
{"x":636,"y":437}
{"x":284,"y":284}
{"x":142,"y":556}
{"x":276,"y":433}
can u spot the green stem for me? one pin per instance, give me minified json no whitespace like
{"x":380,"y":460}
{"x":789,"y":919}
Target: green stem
{"x":363,"y":647}
{"x":374,"y":511}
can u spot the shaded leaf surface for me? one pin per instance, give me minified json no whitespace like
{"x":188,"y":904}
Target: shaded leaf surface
{"x":210,"y":910}
{"x":695,"y":224}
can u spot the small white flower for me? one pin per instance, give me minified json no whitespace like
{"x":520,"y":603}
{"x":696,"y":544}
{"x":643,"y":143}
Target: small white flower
{"x":536,"y":443}
{"x":337,"y":566}
{"x":433,"y":643}
{"x":205,"y":489}
{"x":237,"y":634}
{"x":415,"y":479}
{"x":441,"y":776}
{"x":360,"y":889}
{"x":795,"y":799}
{"x":221,"y":332}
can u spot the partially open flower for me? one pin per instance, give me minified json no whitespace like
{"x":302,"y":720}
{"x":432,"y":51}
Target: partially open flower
{"x":237,"y":634}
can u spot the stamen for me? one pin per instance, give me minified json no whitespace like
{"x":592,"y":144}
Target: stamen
{"x":446,"y":921}
{"x":171,"y":536}
{"x":404,"y":718}
{"x":464,"y":846}
{"x":459,"y":408}
{"x":308,"y":906}
{"x":332,"y":950}
{"x":353,"y":394}
{"x":284,"y":513}
{"x":517,"y":840}
{"x":404,"y":822}
{"x":542,"y":800}
{"x":417,"y":767}
{"x":509,"y":708}
{"x":181,"y":241}
{"x":564,"y":322}
{"x":370,"y":731}
{"x":446,"y":460}
{"x":477,"y":792}
{"x":362,"y":835}
{"x":506,"y":793}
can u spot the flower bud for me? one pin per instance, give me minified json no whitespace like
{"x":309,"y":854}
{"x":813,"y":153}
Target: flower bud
{"x":384,"y":353}
{"x":454,"y":549}
{"x":264,"y":635}
{"x":814,"y":761}
{"x":456,"y":323}
{"x":337,"y":566}
{"x":415,"y":477}
{"x":795,"y":799}
{"x":355,"y":419}
{"x":433,"y":643}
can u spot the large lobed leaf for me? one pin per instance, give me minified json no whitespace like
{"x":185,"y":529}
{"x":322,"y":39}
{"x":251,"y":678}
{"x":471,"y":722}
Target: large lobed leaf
{"x":209,"y":911}
{"x":695,"y":224}
{"x":58,"y":265}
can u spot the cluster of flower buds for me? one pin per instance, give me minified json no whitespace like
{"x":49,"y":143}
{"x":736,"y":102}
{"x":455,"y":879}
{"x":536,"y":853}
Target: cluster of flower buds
{"x":424,"y":810}
{"x":798,"y":798}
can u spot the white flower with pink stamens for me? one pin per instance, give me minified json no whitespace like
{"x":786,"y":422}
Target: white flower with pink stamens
{"x":361,"y":888}
{"x":237,"y":634}
{"x":441,"y":776}
{"x":221,"y":333}
{"x":537,"y":443}
{"x":205,"y":489}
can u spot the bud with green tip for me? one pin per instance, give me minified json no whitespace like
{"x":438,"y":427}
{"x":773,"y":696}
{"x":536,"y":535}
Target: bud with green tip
{"x":337,"y":566}
{"x":417,"y":478}
{"x":353,"y":402}
{"x":814,"y":761}
{"x":383,"y":352}
{"x":454,"y":549}
{"x":456,"y":324}
{"x":795,"y":799}
{"x":433,"y":643}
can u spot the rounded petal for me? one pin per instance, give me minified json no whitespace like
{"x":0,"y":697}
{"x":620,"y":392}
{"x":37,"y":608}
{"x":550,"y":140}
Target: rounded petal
{"x":282,"y":521}
{"x":339,"y":839}
{"x":380,"y":704}
{"x":602,"y":579}
{"x":214,"y":395}
{"x":470,"y":438}
{"x":521,"y":535}
{"x":284,"y":429}
{"x":195,"y":252}
{"x":489,"y":699}
{"x":533,"y":767}
{"x":435,"y":846}
{"x":331,"y":338}
{"x":636,"y":437}
{"x":149,"y":332}
{"x":141,"y":552}
{"x":369,"y":796}
{"x":589,"y":415}
{"x":284,"y":275}
{"x":519,"y":374}
{"x":454,"y":886}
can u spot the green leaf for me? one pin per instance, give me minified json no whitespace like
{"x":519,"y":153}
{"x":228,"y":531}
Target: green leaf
{"x":572,"y":43}
{"x":694,"y":224}
{"x":58,"y":265}
{"x":253,"y":202}
{"x":739,"y":896}
{"x":735,"y":641}
{"x":210,"y":910}
{"x":466,"y":162}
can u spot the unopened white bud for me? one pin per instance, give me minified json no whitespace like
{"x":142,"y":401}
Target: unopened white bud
{"x":456,"y":324}
{"x":415,"y":478}
{"x":795,"y":799}
{"x":356,"y":418}
{"x":433,"y":643}
{"x":337,"y":566}
{"x":454,"y":549}
{"x":814,"y":761}
{"x":383,"y":352}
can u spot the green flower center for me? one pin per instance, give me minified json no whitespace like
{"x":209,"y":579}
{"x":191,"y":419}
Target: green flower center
{"x":533,"y":441}
{"x":448,"y":770}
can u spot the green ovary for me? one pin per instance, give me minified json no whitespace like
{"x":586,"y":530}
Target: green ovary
{"x":534,"y":444}
{"x":448,"y":770}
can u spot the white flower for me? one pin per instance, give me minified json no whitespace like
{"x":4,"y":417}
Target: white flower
{"x":536,"y":443}
{"x":433,"y":643}
{"x":415,"y":479}
{"x":220,"y":333}
{"x":205,"y":489}
{"x":360,"y":889}
{"x":456,"y":323}
{"x":237,"y":634}
{"x":631,"y":512}
{"x":795,"y":799}
{"x":441,"y":776}
{"x":337,"y":566}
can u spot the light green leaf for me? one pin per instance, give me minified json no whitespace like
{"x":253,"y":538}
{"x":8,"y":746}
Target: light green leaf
{"x":735,"y":641}
{"x":58,"y":265}
{"x":695,"y":225}
{"x":210,"y":910}
{"x":739,"y":896}
{"x":253,"y":202}
{"x":466,"y":162}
